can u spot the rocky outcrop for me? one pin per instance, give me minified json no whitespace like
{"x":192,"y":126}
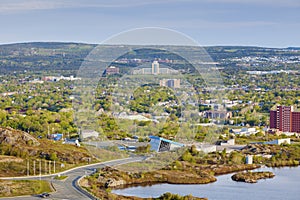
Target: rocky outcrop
{"x":4,"y":159}
{"x":251,"y":177}
{"x":15,"y":137}
{"x":255,"y":149}
{"x":4,"y":189}
{"x":111,"y":178}
{"x":114,"y":183}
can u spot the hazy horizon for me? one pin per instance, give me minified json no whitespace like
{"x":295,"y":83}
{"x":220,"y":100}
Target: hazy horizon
{"x":79,"y":42}
{"x":268,"y":23}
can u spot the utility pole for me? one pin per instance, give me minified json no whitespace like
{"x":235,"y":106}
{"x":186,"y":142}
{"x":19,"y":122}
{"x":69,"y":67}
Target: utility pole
{"x":34,"y":168}
{"x":40,"y":166}
{"x":27,"y":167}
{"x":45,"y":167}
{"x":49,"y":166}
{"x":54,"y":167}
{"x":194,"y":127}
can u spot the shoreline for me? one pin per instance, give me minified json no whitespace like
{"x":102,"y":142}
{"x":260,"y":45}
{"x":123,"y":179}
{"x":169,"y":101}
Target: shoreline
{"x":252,"y":177}
{"x":248,"y":167}
{"x":263,"y":168}
{"x":161,"y":177}
{"x":193,"y":167}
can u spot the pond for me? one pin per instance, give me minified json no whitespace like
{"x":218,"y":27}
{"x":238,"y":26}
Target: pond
{"x":285,"y":185}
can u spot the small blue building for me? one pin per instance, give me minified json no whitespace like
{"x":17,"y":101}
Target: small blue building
{"x":159,"y":144}
{"x":56,"y":136}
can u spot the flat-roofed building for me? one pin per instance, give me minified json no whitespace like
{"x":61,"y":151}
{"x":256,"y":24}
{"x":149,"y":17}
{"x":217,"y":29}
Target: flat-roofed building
{"x":88,"y":133}
{"x":296,"y":122}
{"x":217,"y":114}
{"x":285,"y":119}
{"x":171,"y":83}
{"x":155,"y":69}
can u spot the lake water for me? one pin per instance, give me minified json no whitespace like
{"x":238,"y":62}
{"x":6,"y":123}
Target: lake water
{"x":284,"y":186}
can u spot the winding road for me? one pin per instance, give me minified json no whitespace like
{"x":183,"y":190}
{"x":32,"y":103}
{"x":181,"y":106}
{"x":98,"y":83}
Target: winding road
{"x":68,"y":189}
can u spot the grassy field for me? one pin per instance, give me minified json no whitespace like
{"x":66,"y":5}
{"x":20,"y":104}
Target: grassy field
{"x":21,"y":158}
{"x":23,"y":187}
{"x":61,"y":178}
{"x":106,"y":155}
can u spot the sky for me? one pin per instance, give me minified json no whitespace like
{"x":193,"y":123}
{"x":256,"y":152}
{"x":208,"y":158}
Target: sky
{"x":267,"y":23}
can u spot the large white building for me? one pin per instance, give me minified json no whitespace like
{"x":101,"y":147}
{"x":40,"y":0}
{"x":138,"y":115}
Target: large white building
{"x":206,"y":148}
{"x":245,"y":131}
{"x":154,"y":70}
{"x":88,"y":133}
{"x":155,"y":67}
{"x":279,"y":141}
{"x":172,"y":83}
{"x":58,"y":78}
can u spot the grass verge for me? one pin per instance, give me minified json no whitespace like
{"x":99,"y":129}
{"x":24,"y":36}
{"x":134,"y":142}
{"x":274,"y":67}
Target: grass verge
{"x":10,"y":188}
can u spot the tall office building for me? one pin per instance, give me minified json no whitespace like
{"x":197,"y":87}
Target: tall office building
{"x":154,"y":70}
{"x":285,"y":119}
{"x":155,"y":67}
{"x":172,"y":83}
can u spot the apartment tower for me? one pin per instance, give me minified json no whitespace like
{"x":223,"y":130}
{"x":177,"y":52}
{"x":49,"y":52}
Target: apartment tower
{"x":285,"y":119}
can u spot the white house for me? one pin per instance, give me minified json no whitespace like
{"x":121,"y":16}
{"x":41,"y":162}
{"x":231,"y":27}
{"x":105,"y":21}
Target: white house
{"x":280,"y":141}
{"x":228,"y":142}
{"x":88,"y":133}
{"x":244,"y":131}
{"x":207,"y":148}
{"x":249,"y":159}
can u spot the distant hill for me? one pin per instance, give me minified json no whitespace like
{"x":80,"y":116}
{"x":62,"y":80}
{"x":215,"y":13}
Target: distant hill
{"x":69,"y":56}
{"x":294,"y":48}
{"x":42,"y":56}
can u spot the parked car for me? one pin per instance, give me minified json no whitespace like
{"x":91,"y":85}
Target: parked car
{"x":44,"y":195}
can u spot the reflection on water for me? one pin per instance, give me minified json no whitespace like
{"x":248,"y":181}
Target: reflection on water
{"x":285,"y":185}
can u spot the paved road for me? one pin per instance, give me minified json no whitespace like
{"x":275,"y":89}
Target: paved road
{"x":67,"y":189}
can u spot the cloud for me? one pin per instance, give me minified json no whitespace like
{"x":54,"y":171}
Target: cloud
{"x":272,"y":3}
{"x":19,"y":6}
{"x":15,"y":6}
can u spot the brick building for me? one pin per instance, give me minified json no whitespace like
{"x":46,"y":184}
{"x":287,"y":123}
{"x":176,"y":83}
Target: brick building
{"x":285,"y":119}
{"x":112,"y":70}
{"x":296,"y":122}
